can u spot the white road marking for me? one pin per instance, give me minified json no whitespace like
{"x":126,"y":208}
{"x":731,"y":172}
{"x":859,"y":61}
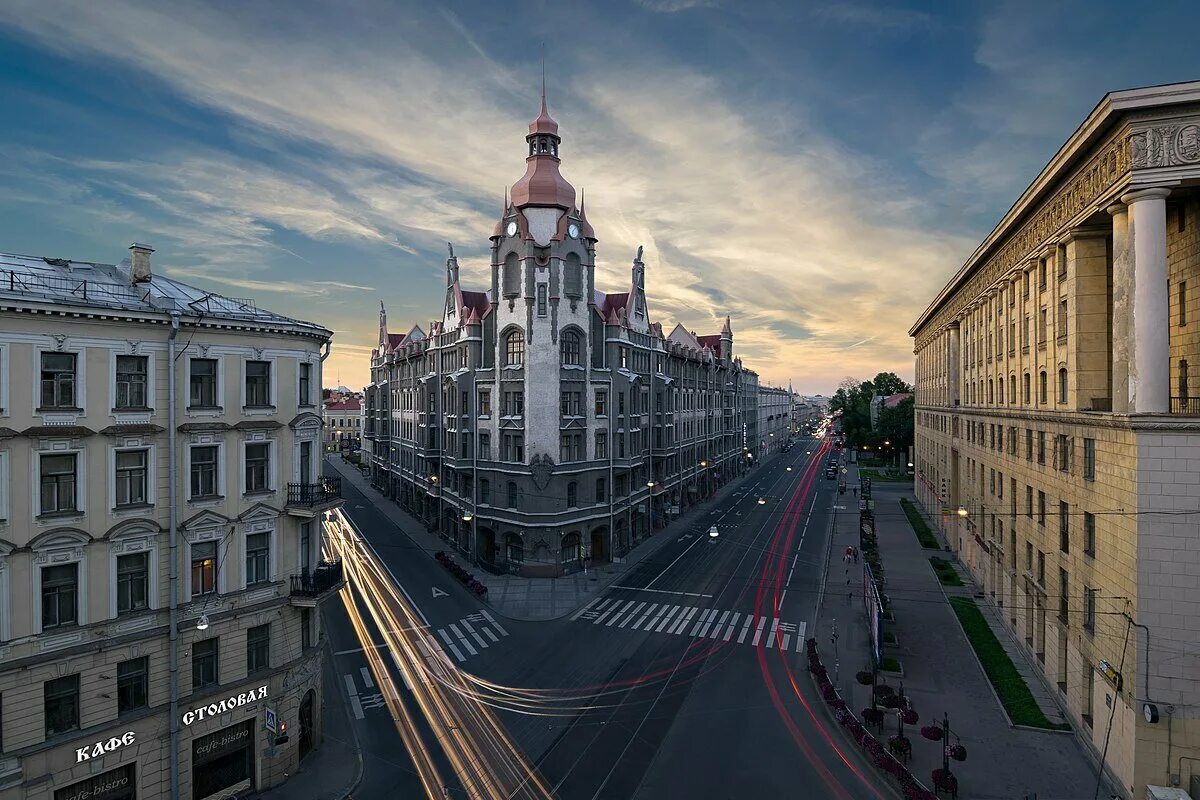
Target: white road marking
{"x":717,"y":626}
{"x":732,"y":625}
{"x":619,"y":614}
{"x":491,"y":635}
{"x":642,"y":620}
{"x":771,"y":635}
{"x":691,"y":612}
{"x":449,"y":643}
{"x":800,"y":635}
{"x":471,"y":630}
{"x":659,"y":591}
{"x":667,"y":618}
{"x":633,"y":614}
{"x":352,"y":690}
{"x":745,"y":628}
{"x":700,"y":620}
{"x":762,"y":622}
{"x":366,"y":673}
{"x":495,"y":624}
{"x":579,"y":613}
{"x":463,"y":639}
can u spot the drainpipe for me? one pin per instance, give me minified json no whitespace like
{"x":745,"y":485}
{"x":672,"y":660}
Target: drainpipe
{"x":173,"y":570}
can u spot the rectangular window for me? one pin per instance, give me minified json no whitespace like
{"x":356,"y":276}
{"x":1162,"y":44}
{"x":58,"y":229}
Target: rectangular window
{"x":1089,"y":534}
{"x":601,"y":404}
{"x":204,"y":471}
{"x":60,"y":595}
{"x":131,"y":480}
{"x":133,"y":582}
{"x":601,"y":490}
{"x":258,"y":648}
{"x":485,"y":491}
{"x":58,"y":380}
{"x":258,"y":384}
{"x":1041,"y":569}
{"x":541,"y":299}
{"x":513,"y":447}
{"x":485,"y":447}
{"x":304,"y":392}
{"x":485,"y":403}
{"x":1089,"y":459}
{"x":258,"y":558}
{"x":1028,"y":444}
{"x":204,"y":568}
{"x":204,"y":664}
{"x":202,"y":383}
{"x":1062,"y":451}
{"x":306,"y":632}
{"x":131,"y":382}
{"x":58,"y":483}
{"x":570,"y":404}
{"x":1064,"y":526}
{"x":1064,"y":602}
{"x":1089,"y":609}
{"x":1061,"y":323}
{"x":601,"y":444}
{"x":1041,"y":447}
{"x":1182,"y":303}
{"x":257,"y":466}
{"x":570,"y":447}
{"x":60,"y":698}
{"x":514,"y":404}
{"x":133,"y":684}
{"x":1029,"y":557}
{"x":1041,"y":508}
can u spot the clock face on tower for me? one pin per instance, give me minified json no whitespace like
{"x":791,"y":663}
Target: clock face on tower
{"x":573,"y":231}
{"x":511,"y":229}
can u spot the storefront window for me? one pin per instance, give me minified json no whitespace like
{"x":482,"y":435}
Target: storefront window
{"x":221,"y":761}
{"x":116,"y":784}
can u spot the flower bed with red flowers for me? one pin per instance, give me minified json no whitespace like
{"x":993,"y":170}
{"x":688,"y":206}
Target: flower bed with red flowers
{"x":874,"y":750}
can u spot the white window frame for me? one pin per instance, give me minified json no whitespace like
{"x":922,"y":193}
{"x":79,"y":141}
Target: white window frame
{"x":67,"y":549}
{"x":5,"y":604}
{"x":35,"y":478}
{"x":151,"y":476}
{"x":80,"y":354}
{"x":185,"y":402}
{"x":5,"y":498}
{"x":272,"y":385}
{"x":272,"y":465}
{"x":150,"y":384}
{"x":221,"y":467}
{"x":132,"y":543}
{"x":197,"y":537}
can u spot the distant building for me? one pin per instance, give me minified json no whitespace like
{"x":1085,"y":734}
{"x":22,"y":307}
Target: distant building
{"x":542,"y":423}
{"x":343,"y":423}
{"x":105,"y":474}
{"x":880,"y":402}
{"x":774,"y":418}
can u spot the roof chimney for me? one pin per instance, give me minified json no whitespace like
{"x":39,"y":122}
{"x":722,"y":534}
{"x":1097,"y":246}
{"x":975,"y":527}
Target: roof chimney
{"x":139,"y":262}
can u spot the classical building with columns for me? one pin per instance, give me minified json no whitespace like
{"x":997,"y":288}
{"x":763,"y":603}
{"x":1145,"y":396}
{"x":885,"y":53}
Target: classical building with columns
{"x":542,"y":423}
{"x":1058,"y":436}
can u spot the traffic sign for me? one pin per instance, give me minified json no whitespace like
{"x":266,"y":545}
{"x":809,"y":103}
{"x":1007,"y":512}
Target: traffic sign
{"x":269,"y":713}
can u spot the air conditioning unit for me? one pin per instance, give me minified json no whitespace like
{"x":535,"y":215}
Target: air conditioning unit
{"x":1166,"y":793}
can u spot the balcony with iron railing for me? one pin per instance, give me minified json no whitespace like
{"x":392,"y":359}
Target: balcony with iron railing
{"x":307,"y":499}
{"x":310,"y":588}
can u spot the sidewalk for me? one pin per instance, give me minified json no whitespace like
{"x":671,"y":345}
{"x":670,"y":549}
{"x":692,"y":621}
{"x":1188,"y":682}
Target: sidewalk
{"x":940,"y":672}
{"x":334,"y":770}
{"x":532,"y":599}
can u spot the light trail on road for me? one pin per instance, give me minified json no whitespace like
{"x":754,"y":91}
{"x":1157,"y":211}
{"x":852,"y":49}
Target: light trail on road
{"x":483,"y":757}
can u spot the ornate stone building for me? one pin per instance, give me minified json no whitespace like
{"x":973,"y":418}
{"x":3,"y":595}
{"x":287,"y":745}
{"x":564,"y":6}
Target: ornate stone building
{"x":1057,"y":431}
{"x":160,"y":557}
{"x":542,"y":423}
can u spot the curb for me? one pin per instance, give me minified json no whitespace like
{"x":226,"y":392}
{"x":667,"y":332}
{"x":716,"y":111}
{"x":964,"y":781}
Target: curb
{"x":358,"y":753}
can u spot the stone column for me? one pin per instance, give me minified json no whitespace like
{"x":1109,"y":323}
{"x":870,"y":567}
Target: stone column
{"x":1150,"y":349}
{"x":1122,"y":310}
{"x":953,"y":368}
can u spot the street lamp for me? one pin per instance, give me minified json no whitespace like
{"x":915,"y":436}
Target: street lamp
{"x":202,"y":623}
{"x":467,"y":516}
{"x":650,"y":484}
{"x":762,"y":501}
{"x":703,"y":464}
{"x":433,"y":478}
{"x":962,"y":512}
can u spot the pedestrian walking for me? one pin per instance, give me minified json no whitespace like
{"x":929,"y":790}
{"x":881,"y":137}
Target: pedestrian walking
{"x":856,"y":555}
{"x":856,"y":491}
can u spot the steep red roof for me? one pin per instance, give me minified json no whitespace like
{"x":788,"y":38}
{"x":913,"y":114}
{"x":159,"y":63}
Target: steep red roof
{"x":395,"y":339}
{"x":351,"y":404}
{"x":712,"y":342}
{"x":891,"y":401}
{"x":477,"y":302}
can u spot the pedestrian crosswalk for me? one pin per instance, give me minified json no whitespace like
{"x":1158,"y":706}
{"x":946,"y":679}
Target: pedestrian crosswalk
{"x":369,"y":697}
{"x":471,"y":635}
{"x":694,"y":622}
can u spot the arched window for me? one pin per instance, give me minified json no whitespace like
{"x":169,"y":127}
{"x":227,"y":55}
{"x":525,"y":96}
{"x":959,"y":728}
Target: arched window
{"x":991,"y":392}
{"x":1042,"y":387}
{"x":570,"y":348}
{"x":572,"y":494}
{"x":512,"y":494}
{"x":514,"y":349}
{"x":1025,"y":382}
{"x":570,"y":548}
{"x":1012,"y":385}
{"x":1000,"y":393}
{"x":512,"y":275}
{"x":1062,"y":385}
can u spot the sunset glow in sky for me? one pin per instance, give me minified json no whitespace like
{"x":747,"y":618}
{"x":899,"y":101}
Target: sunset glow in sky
{"x":814,"y":170}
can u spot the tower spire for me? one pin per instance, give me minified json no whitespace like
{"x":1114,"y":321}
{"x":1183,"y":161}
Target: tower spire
{"x":543,"y":77}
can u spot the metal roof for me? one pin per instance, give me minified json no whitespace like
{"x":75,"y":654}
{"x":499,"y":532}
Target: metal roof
{"x":89,"y":284}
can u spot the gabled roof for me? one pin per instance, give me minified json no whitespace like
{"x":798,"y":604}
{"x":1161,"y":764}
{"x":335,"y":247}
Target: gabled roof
{"x":610,"y":304}
{"x":351,"y":404}
{"x":712,"y":342}
{"x":477,"y":302}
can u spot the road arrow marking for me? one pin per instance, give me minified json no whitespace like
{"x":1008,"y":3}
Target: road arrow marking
{"x":439,"y":593}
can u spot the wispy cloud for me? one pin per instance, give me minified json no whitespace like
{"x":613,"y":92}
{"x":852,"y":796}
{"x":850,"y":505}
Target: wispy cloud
{"x":673,"y":6}
{"x":879,"y":17}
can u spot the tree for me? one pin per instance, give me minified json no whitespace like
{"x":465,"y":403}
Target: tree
{"x":896,"y":425}
{"x":888,"y":383}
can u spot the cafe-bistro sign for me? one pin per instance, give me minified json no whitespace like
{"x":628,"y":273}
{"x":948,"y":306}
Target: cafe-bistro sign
{"x":228,"y":704}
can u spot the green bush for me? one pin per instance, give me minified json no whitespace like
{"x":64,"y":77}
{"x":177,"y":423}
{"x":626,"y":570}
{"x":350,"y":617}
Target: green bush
{"x":889,"y":664}
{"x":1010,"y":687}
{"x":945,"y":572}
{"x":924,"y":534}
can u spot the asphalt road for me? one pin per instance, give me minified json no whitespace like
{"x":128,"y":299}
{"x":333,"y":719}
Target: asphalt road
{"x":691,"y":671}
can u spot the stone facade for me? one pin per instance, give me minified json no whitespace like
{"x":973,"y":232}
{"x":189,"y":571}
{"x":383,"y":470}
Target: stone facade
{"x":87,"y":532}
{"x":542,"y":423}
{"x":1057,"y":431}
{"x":774,"y":419}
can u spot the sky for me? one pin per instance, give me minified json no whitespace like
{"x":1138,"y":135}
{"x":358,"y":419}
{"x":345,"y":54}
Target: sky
{"x":815,"y":170}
